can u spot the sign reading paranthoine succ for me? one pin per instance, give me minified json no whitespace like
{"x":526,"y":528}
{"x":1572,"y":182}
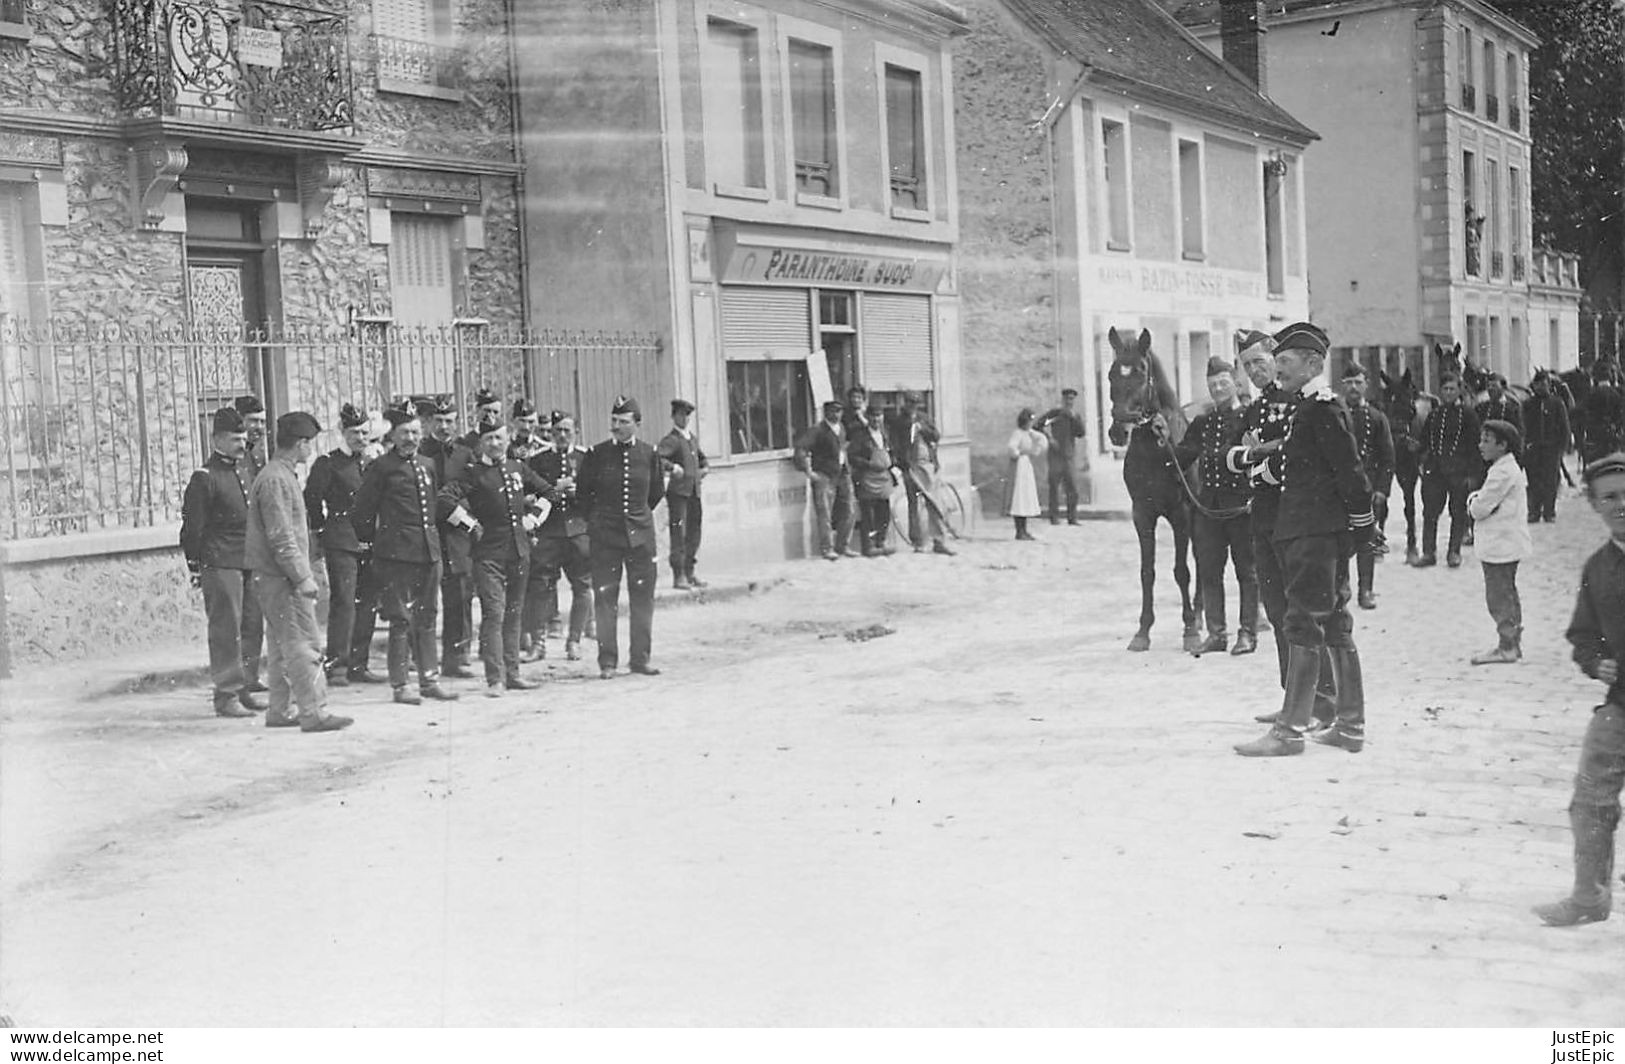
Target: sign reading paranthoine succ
{"x":796,"y":266}
{"x":259,"y":47}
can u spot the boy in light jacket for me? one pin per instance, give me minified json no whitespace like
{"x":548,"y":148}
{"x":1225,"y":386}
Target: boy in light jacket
{"x":1500,"y":510}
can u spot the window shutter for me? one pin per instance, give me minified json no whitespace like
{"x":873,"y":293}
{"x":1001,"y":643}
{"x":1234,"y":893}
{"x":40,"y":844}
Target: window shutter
{"x":756,"y":320}
{"x":13,"y":256}
{"x":895,"y":331}
{"x":420,"y":269}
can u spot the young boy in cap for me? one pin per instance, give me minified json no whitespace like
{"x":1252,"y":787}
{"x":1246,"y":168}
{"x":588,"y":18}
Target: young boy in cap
{"x":1064,"y":428}
{"x":1376,"y":440}
{"x":352,"y":615}
{"x":1597,"y":632}
{"x":685,"y":465}
{"x":277,"y":549}
{"x":1500,"y":514}
{"x":214,"y":517}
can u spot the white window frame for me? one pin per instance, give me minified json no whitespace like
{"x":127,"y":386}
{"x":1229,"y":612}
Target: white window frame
{"x":1194,"y":138}
{"x":889,"y":55}
{"x":827,"y":37}
{"x":755,"y":21}
{"x":1109,"y":241}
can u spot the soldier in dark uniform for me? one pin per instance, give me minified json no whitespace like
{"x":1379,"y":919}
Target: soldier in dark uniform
{"x":527,"y":437}
{"x":1604,"y":412}
{"x":685,"y":466}
{"x":1546,"y":437}
{"x":1325,"y":513}
{"x":394,"y":510}
{"x":618,"y":489}
{"x":1224,"y":528}
{"x":1450,"y":460}
{"x":214,"y":515}
{"x":1376,"y":440}
{"x":1498,"y":405}
{"x":448,"y":454}
{"x":561,"y":543}
{"x":352,"y":612}
{"x":253,"y":412}
{"x":495,"y":498}
{"x":1064,"y":428}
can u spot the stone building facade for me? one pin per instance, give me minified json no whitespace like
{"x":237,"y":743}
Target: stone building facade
{"x":1420,"y":220}
{"x":200,"y":199}
{"x":1122,"y":177}
{"x":771,"y":184}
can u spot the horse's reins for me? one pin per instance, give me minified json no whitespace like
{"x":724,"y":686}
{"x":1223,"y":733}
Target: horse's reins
{"x":1226,"y":513}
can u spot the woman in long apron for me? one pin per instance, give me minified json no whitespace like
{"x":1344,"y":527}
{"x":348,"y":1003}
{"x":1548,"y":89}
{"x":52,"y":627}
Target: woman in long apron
{"x":1024,"y":444}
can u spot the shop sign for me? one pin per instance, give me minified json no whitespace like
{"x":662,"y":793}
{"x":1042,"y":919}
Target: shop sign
{"x":1178,"y":281}
{"x":749,"y":264}
{"x":259,"y":47}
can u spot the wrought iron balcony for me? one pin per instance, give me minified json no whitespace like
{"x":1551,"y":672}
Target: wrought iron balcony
{"x":1469,"y":97}
{"x":1492,"y":107}
{"x":255,"y":62}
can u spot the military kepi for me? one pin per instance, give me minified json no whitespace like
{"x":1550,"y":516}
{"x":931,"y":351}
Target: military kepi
{"x":297,"y":425}
{"x":248,"y":404}
{"x":489,"y":423}
{"x":682,"y":406}
{"x":625,"y":404}
{"x":1303,"y":336}
{"x":485,"y":397}
{"x":1354,"y":369}
{"x":227,"y":419}
{"x":1218,"y":366}
{"x":350,"y":417}
{"x":523,"y":407}
{"x":399,"y":415}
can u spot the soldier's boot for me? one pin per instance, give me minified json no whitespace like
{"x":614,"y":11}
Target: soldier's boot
{"x":1284,"y":738}
{"x":1591,"y":899}
{"x":1347,"y":731}
{"x":693,"y":580}
{"x":679,"y":579}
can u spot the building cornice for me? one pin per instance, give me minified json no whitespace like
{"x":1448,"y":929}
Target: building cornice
{"x":932,"y":17}
{"x":402,"y":159}
{"x":1148,"y":92}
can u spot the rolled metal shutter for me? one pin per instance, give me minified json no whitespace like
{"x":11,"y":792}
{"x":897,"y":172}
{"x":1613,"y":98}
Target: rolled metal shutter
{"x":756,"y":320}
{"x":895,"y":331}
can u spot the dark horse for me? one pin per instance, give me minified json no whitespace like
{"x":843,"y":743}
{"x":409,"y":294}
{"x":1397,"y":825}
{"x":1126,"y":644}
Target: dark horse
{"x":1407,"y":408}
{"x":1473,"y":380}
{"x":1140,"y":391}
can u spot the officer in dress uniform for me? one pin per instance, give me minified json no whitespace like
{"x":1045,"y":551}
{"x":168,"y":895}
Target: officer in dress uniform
{"x":1325,"y":512}
{"x":1545,"y":438}
{"x":352,"y":612}
{"x":1376,"y":440}
{"x":1450,"y":460}
{"x":495,"y":498}
{"x":562,"y":545}
{"x":618,"y":489}
{"x":685,"y":466}
{"x":527,"y":437}
{"x":1224,"y":528}
{"x":394,"y":510}
{"x":214,"y":515}
{"x":448,"y":454}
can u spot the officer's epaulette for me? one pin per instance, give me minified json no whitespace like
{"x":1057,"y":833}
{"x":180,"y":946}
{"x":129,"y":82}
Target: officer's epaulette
{"x":1324,"y":394}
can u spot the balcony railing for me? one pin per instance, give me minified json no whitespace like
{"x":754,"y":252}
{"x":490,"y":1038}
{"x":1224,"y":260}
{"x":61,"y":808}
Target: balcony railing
{"x":1495,"y":263}
{"x":1469,"y":97}
{"x":908,"y":191}
{"x":416,"y":62}
{"x":1517,"y":266}
{"x":1492,"y":107}
{"x":815,"y":178}
{"x":257,"y":63}
{"x":1514,"y":116}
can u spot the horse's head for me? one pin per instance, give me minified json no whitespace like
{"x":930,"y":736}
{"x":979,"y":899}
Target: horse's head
{"x":1133,"y":383}
{"x":1402,"y":401}
{"x":1473,"y":379}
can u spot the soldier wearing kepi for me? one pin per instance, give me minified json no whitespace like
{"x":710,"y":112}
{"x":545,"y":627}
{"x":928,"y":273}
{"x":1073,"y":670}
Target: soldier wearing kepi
{"x":1224,"y":527}
{"x":495,"y":498}
{"x":618,"y":490}
{"x":277,"y":549}
{"x":1371,"y":432}
{"x":686,"y":466}
{"x":448,"y":454}
{"x":253,"y":412}
{"x":395,"y":509}
{"x":214,"y":517}
{"x":562,"y":545}
{"x":1546,"y":437}
{"x":1325,"y":513}
{"x":352,"y":612}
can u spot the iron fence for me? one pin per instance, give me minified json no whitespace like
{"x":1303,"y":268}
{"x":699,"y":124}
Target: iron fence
{"x":100,"y":428}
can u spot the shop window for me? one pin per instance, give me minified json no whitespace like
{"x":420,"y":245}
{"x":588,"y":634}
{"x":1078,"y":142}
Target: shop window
{"x":837,"y":336}
{"x":814,"y":120}
{"x":1114,"y":152}
{"x":735,"y":148}
{"x":905,"y":138}
{"x":769,"y":405}
{"x":413,"y":39}
{"x":1190,"y":199}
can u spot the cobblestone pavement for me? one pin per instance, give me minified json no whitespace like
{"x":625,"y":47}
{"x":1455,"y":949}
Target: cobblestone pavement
{"x":917,"y":790}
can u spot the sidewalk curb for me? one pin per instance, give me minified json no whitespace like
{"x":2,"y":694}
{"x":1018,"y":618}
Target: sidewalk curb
{"x":198,"y":676}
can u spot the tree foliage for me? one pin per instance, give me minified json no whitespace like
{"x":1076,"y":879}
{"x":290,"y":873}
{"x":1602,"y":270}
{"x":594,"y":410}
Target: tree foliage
{"x":1577,"y":121}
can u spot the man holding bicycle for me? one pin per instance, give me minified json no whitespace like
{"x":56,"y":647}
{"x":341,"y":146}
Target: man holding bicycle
{"x":914,"y":450}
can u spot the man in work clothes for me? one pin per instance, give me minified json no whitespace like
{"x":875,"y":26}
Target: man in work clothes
{"x":1064,"y":428}
{"x":914,"y":451}
{"x":395,"y":509}
{"x":562,"y":545}
{"x":1325,"y":513}
{"x":619,"y":489}
{"x":1546,"y":437}
{"x":214,"y":517}
{"x":1224,"y":528}
{"x":821,"y":454}
{"x":489,"y":499}
{"x":685,"y":466}
{"x":1371,"y":432}
{"x":447,"y":455}
{"x":352,"y":612}
{"x":277,"y":549}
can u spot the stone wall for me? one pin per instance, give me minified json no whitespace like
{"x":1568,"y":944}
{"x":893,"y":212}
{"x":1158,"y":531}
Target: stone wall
{"x":1010,"y":331}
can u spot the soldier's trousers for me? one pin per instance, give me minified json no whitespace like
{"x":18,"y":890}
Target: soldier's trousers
{"x":406,"y":599}
{"x":457,"y":598}
{"x":226,"y":603}
{"x":1062,"y":478}
{"x":1542,"y":466}
{"x":685,"y":522}
{"x":352,"y":609}
{"x":551,"y":557}
{"x":1316,"y":572}
{"x":294,"y":664}
{"x":500,"y":583}
{"x":1437,"y":490}
{"x":1594,"y":809}
{"x":1216,"y":541}
{"x":608,"y":562}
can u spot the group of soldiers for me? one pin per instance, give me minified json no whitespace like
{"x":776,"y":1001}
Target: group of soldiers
{"x":412,"y":527}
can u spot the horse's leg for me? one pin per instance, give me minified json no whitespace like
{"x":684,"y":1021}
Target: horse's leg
{"x":1406,"y":473}
{"x":1180,"y":519}
{"x":1145,"y":526}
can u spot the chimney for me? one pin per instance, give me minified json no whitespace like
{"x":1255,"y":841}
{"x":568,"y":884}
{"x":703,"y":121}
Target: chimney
{"x":1241,"y":38}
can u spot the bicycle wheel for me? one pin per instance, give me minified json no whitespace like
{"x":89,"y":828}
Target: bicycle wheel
{"x":899,"y":514}
{"x":950,"y":509}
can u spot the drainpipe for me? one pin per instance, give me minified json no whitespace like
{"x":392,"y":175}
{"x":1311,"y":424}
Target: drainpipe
{"x":516,"y":132}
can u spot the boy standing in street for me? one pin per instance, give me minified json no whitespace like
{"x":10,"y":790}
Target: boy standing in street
{"x":1598,"y":635}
